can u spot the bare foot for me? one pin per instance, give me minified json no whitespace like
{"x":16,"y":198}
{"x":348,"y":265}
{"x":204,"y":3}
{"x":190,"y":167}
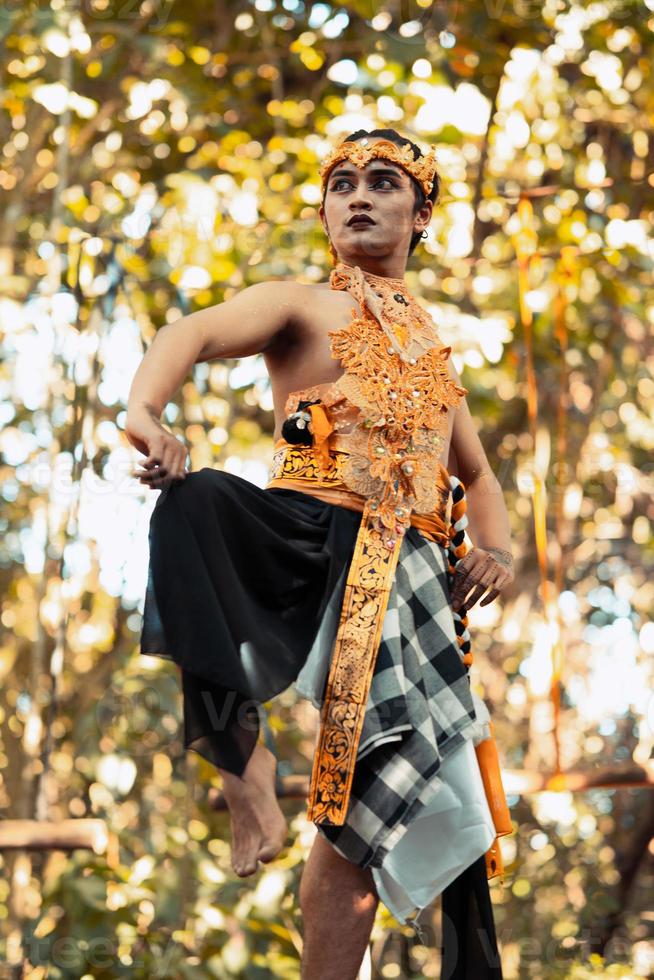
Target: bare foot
{"x":257,"y":822}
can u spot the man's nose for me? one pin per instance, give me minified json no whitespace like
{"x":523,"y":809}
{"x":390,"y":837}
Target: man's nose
{"x":361,"y":198}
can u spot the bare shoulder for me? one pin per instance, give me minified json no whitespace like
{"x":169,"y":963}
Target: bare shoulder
{"x":288,"y":295}
{"x":272,"y":290}
{"x":304,"y":300}
{"x":250,"y":321}
{"x":311,"y":290}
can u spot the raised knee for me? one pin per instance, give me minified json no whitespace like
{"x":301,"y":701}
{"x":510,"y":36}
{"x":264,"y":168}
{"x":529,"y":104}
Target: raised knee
{"x":365,"y":903}
{"x":196,"y":481}
{"x":195,"y":491}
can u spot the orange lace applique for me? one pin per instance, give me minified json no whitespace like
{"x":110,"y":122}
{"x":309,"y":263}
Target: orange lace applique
{"x":403,"y":394}
{"x":393,"y":397}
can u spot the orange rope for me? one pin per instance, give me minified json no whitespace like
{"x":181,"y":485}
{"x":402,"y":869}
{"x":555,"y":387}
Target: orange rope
{"x":486,"y":751}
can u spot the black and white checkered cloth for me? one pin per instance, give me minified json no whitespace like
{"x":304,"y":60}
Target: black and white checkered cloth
{"x":420,"y":706}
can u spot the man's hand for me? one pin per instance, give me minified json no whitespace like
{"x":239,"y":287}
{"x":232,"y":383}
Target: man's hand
{"x":480,"y":570}
{"x":166,"y":454}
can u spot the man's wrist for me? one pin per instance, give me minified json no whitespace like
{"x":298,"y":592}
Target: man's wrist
{"x":143,"y":411}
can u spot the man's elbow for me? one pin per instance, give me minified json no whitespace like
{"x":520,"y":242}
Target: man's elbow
{"x":483,"y":478}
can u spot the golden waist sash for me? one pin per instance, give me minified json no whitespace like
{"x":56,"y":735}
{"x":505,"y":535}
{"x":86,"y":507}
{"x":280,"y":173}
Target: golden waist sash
{"x":298,"y":468}
{"x":369,"y":581}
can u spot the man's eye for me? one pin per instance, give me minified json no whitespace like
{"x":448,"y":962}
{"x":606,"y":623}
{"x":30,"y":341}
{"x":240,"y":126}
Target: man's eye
{"x":344,"y":180}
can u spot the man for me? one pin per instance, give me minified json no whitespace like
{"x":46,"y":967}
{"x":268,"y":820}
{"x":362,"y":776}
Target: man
{"x":250,"y":589}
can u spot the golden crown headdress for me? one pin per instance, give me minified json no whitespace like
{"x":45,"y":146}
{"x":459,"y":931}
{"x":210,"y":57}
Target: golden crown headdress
{"x":360,"y":152}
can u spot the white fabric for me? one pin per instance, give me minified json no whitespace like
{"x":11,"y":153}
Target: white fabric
{"x":310,"y":682}
{"x":453,"y":830}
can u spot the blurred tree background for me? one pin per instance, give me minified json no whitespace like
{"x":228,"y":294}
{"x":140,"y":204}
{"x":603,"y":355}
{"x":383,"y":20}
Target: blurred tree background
{"x":157,"y":157}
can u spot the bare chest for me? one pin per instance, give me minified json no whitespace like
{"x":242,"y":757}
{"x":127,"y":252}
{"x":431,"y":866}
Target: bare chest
{"x":303,"y":358}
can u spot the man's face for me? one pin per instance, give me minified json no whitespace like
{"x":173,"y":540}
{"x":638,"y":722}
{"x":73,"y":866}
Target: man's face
{"x":383,"y":191}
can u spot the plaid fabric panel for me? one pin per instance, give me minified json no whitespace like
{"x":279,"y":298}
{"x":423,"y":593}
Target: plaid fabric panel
{"x":420,"y":708}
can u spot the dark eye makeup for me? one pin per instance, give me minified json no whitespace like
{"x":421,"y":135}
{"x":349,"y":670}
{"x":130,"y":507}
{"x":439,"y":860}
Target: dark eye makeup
{"x":340,"y":180}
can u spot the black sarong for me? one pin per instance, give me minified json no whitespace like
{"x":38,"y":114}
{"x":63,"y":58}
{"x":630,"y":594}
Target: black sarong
{"x":239,"y":580}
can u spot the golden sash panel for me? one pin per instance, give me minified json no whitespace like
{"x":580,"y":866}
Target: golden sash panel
{"x":369,"y":581}
{"x":367,"y":589}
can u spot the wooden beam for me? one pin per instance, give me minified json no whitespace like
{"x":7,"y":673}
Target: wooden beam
{"x":626,"y":776}
{"x":516,"y":782}
{"x":64,"y":835}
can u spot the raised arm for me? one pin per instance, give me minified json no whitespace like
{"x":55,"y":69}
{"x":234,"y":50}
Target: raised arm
{"x":246,"y":324}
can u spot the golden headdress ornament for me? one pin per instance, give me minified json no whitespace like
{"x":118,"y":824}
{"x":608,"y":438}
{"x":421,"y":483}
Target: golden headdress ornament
{"x":361,"y":151}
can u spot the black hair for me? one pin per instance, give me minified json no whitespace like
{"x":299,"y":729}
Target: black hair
{"x":418,"y":193}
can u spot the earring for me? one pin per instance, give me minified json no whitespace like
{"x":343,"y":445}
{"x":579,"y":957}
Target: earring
{"x":332,"y":252}
{"x":425,"y":233}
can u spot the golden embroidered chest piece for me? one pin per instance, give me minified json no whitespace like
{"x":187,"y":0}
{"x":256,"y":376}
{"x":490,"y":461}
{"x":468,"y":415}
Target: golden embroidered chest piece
{"x":393,"y":398}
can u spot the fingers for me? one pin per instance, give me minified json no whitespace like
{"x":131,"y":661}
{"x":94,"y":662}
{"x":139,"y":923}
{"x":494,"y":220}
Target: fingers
{"x":480,"y":573}
{"x":476,"y":594}
{"x":462,"y":581}
{"x":158,"y":475}
{"x":465,"y":578}
{"x":493,"y":594}
{"x":165,"y":464}
{"x":161,"y":480}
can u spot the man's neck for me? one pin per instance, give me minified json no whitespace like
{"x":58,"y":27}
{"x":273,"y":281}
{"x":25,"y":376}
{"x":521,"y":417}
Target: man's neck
{"x":373,"y":269}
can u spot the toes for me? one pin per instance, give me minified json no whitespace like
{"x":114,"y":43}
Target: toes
{"x":245,"y":869}
{"x":244,"y":855}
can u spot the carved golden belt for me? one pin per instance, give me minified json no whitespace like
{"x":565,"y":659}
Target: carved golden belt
{"x":369,"y":581}
{"x":297,"y":467}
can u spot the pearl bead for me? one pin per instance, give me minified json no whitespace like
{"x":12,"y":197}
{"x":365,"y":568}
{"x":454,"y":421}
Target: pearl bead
{"x":412,"y":360}
{"x":407,"y":468}
{"x":391,"y":350}
{"x":380,"y":450}
{"x":416,"y":393}
{"x":391,"y":543}
{"x":392,"y":394}
{"x":409,"y":403}
{"x":386,"y":379}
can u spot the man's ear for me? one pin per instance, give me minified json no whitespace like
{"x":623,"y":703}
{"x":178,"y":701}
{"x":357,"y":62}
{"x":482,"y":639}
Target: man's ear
{"x":423,"y":216}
